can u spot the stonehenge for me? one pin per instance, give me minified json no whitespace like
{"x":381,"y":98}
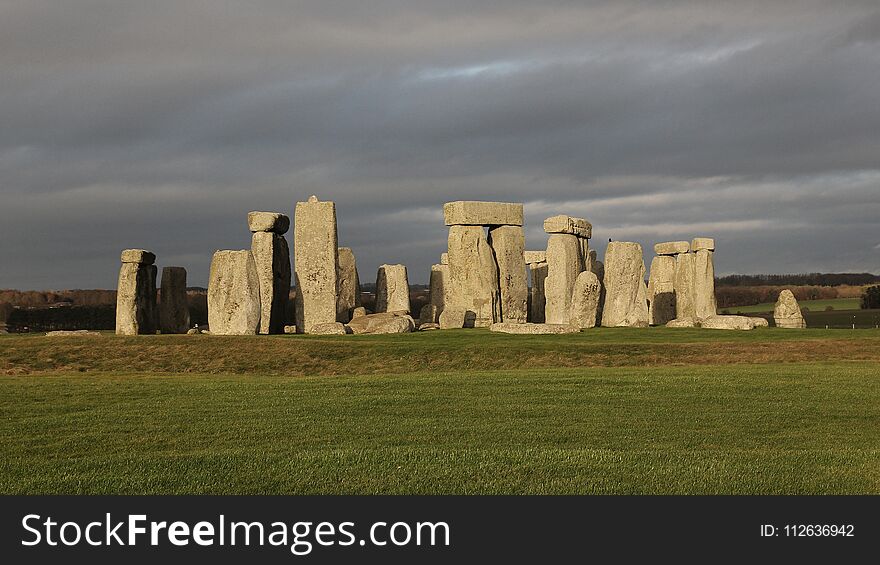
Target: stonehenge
{"x":382,"y":323}
{"x":787,"y":313}
{"x":272,"y":259}
{"x":316,"y":260}
{"x":661,"y":290}
{"x":474,"y":294}
{"x":626,"y":301}
{"x":474,"y":213}
{"x":136,"y":311}
{"x":567,"y":256}
{"x":534,"y":329}
{"x":233,"y":294}
{"x":392,"y":289}
{"x":693,"y":281}
{"x":508,"y":244}
{"x":585,"y":300}
{"x":437,"y":295}
{"x":537,"y":264}
{"x":705,"y":304}
{"x":173,"y":304}
{"x":349,"y":294}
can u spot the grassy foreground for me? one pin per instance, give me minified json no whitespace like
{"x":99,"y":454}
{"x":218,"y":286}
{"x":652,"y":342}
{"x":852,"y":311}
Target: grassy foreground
{"x":78,"y":419}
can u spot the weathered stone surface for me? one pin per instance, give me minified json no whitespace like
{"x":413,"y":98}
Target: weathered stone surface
{"x":392,"y":289}
{"x":564,"y":263}
{"x":269,"y":222}
{"x":704,"y":284}
{"x":428,"y":314}
{"x":626,"y":301}
{"x":566,"y":224}
{"x":531,"y":257}
{"x":760,"y":322}
{"x":534,"y":329}
{"x":136,"y":311}
{"x":661,"y":290}
{"x":382,"y":323}
{"x":428,"y":327}
{"x":585,"y":300}
{"x":73,"y":333}
{"x":683,"y":323}
{"x":474,"y":296}
{"x":585,"y":253}
{"x":452,"y":318}
{"x":475,"y":213}
{"x":358,"y":312}
{"x":727,"y":323}
{"x":290,"y":329}
{"x":685,"y":302}
{"x":672,"y":247}
{"x":703,"y":243}
{"x":138,"y":256}
{"x":598,"y":268}
{"x":537,"y":298}
{"x":272,"y":260}
{"x":787,"y":313}
{"x":349,"y":295}
{"x":508,"y":244}
{"x":330,"y":328}
{"x":193,"y":331}
{"x":233,"y":294}
{"x":173,"y":305}
{"x":444,"y":258}
{"x":439,"y":290}
{"x":316,"y":257}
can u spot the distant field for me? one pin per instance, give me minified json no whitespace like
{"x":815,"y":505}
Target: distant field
{"x":462,"y":411}
{"x":813,"y":305}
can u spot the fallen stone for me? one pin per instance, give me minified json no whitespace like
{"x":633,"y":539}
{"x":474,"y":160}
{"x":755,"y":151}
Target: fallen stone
{"x":585,"y":300}
{"x":508,"y":244}
{"x":382,"y":323}
{"x":727,"y":323}
{"x":233,"y":294}
{"x":272,"y":260}
{"x":136,"y":310}
{"x":193,"y":331}
{"x":703,"y":243}
{"x":330,"y":328}
{"x":661,"y":290}
{"x":787,"y":313}
{"x":428,"y":327}
{"x":537,"y":298}
{"x":72,"y":333}
{"x":626,"y":302}
{"x":566,"y":224}
{"x":174,"y":305}
{"x":349,"y":295}
{"x":531,"y":257}
{"x":290,"y":329}
{"x":564,"y":264}
{"x":475,"y":213}
{"x":683,"y":323}
{"x":268,"y":222}
{"x":534,"y":329}
{"x":685,"y":302}
{"x":392,"y":289}
{"x":705,"y":304}
{"x":474,"y":295}
{"x":141,"y":256}
{"x":358,"y":312}
{"x":760,"y":322}
{"x":672,"y":247}
{"x":315,"y":257}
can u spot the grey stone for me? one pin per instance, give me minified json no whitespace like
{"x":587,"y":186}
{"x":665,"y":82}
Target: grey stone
{"x":661,"y":290}
{"x":564,"y":264}
{"x":787,"y":313}
{"x":316,"y":257}
{"x":439,"y":285}
{"x":290,"y":329}
{"x":272,"y":260}
{"x":141,"y":256}
{"x":173,"y":306}
{"x":537,"y":298}
{"x":330,"y":328}
{"x":474,"y":295}
{"x":428,"y":327}
{"x":531,"y":257}
{"x":566,"y":224}
{"x":73,"y":333}
{"x":268,"y":222}
{"x":136,"y":310}
{"x":444,"y":258}
{"x":702,"y":243}
{"x":626,"y":302}
{"x":193,"y":331}
{"x":672,"y":247}
{"x":382,"y":323}
{"x":233,"y":294}
{"x":474,"y":213}
{"x":585,"y":300}
{"x":349,"y":295}
{"x":683,"y":323}
{"x":705,"y":304}
{"x":685,"y":302}
{"x":598,"y":268}
{"x":727,"y":323}
{"x":358,"y":312}
{"x":534,"y":329}
{"x":392,"y":289}
{"x":760,"y":322}
{"x":508,"y":244}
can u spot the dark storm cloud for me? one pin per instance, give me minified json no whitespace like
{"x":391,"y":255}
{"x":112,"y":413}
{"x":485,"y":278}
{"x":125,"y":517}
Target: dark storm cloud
{"x":161,"y":124}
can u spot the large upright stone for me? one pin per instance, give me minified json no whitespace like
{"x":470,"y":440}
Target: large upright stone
{"x":233,"y":294}
{"x":585,"y":300}
{"x":173,"y":304}
{"x":598,"y":268}
{"x":508,"y":244}
{"x":473,"y":291}
{"x":685,"y":302}
{"x":272,"y":260}
{"x":565,"y":262}
{"x":566,"y":224}
{"x":626,"y":302}
{"x":392,"y":289}
{"x":661,"y":290}
{"x":475,"y":213}
{"x":349,"y":296}
{"x":316,"y":258}
{"x":537,"y":296}
{"x":439,"y":284}
{"x":136,"y":311}
{"x":787,"y":313}
{"x":705,"y":304}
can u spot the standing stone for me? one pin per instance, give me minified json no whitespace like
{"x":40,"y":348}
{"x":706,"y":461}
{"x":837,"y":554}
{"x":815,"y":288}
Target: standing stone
{"x":437,"y":295}
{"x":685,"y":302}
{"x":316,"y":258}
{"x":392,"y":289}
{"x":598,"y":268}
{"x":474,"y":299}
{"x":444,"y":258}
{"x":537,"y":299}
{"x":174,"y":306}
{"x":661,"y":290}
{"x":626,"y":302}
{"x":233,"y":294}
{"x":787,"y":313}
{"x":508,"y":244}
{"x":349,"y":296}
{"x":564,"y":263}
{"x":272,"y":260}
{"x":585,"y":300}
{"x":704,"y":284}
{"x":136,"y":311}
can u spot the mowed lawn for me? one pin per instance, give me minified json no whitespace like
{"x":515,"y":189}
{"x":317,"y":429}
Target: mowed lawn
{"x":811,"y":305}
{"x":655,"y":426}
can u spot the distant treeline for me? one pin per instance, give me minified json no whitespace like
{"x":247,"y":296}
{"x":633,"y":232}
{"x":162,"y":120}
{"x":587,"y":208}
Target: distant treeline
{"x":808,"y":279}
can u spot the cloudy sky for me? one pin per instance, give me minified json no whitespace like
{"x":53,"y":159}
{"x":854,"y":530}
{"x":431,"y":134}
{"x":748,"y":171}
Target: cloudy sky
{"x":160,"y":124}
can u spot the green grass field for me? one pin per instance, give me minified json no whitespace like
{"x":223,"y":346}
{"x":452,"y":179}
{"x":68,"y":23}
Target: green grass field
{"x":612,"y":411}
{"x":812,"y":305}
